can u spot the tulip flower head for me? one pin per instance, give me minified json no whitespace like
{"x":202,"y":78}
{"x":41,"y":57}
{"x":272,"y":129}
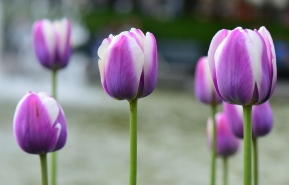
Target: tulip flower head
{"x":204,"y":87}
{"x":262,"y":119}
{"x":52,"y":43}
{"x":243,"y":65}
{"x":227,"y":143}
{"x":39,"y":124}
{"x":128,"y":64}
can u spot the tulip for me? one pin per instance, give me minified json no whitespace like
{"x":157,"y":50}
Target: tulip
{"x":40,"y":127}
{"x":262,"y":122}
{"x":52,"y":43}
{"x":227,"y":143}
{"x":204,"y":87}
{"x":39,"y":124}
{"x":262,"y":119}
{"x":243,"y":65}
{"x":206,"y":93}
{"x":128,"y":64}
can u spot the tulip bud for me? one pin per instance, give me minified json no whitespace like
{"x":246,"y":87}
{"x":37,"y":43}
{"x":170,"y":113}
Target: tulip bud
{"x":204,"y":87}
{"x":243,"y":65}
{"x":227,"y":143}
{"x":52,"y":43}
{"x":39,"y":124}
{"x":128,"y":64}
{"x":262,"y":119}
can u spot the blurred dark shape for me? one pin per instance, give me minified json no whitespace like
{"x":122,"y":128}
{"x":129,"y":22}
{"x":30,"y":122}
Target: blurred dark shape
{"x":282,"y":57}
{"x":189,"y":6}
{"x":269,"y":11}
{"x":246,"y":12}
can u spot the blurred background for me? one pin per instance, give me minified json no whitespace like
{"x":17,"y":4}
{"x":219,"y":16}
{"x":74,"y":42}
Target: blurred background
{"x":172,"y":146}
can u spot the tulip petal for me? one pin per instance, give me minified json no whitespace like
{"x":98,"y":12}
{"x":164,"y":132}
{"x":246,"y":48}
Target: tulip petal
{"x":102,"y":52}
{"x":32,"y":126}
{"x":216,"y":41}
{"x":262,"y":119}
{"x":237,"y":55}
{"x":204,"y":87}
{"x":62,"y":30}
{"x":61,"y":131}
{"x":271,"y":55}
{"x":150,"y":65}
{"x":139,"y":36}
{"x":44,"y":42}
{"x":51,"y":106}
{"x":234,"y":114}
{"x":123,"y":67}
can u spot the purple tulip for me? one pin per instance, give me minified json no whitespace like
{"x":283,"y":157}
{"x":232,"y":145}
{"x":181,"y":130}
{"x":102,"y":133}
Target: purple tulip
{"x":227,"y":143}
{"x":243,"y":65}
{"x":262,"y":119}
{"x":128,"y":64}
{"x":52,"y":43}
{"x":39,"y":124}
{"x":204,"y":87}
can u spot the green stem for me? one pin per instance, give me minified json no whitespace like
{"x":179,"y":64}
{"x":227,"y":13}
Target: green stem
{"x":247,"y":112}
{"x":255,"y":155}
{"x":214,"y":146}
{"x":44,"y":173}
{"x":54,"y":154}
{"x":133,"y":141}
{"x":225,"y":172}
{"x":54,"y":83}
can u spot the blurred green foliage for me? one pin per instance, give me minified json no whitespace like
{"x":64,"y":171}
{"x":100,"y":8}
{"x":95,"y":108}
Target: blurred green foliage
{"x":184,"y":27}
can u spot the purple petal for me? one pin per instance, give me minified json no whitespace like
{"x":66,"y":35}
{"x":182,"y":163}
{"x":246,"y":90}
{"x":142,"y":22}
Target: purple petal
{"x":32,"y":127}
{"x":150,"y":69}
{"x":102,"y":54}
{"x":216,"y":41}
{"x":234,"y":73}
{"x":227,"y":143}
{"x":62,"y":31}
{"x":234,"y":114}
{"x":60,"y":124}
{"x":271,"y":55}
{"x":44,"y":42}
{"x":262,"y":119}
{"x":123,"y":67}
{"x":204,"y":87}
{"x":139,"y":36}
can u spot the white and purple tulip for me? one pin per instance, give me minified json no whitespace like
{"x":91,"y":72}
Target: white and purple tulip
{"x":52,"y":42}
{"x":128,"y":64}
{"x":262,"y":119}
{"x":39,"y":124}
{"x":243,"y":65}
{"x":204,"y":87}
{"x":227,"y":143}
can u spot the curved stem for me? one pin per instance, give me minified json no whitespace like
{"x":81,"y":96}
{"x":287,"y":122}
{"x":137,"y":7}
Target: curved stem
{"x":44,"y":173}
{"x":247,"y":113}
{"x":225,"y":171}
{"x":133,"y":141}
{"x":214,"y":146}
{"x":255,"y":156}
{"x":54,"y":154}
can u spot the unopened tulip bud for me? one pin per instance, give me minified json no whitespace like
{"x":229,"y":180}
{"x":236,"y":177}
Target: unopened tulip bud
{"x":52,"y":43}
{"x":128,"y":64}
{"x":262,"y":119}
{"x":204,"y":87}
{"x":243,"y":65}
{"x":39,"y":124}
{"x":227,"y":143}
